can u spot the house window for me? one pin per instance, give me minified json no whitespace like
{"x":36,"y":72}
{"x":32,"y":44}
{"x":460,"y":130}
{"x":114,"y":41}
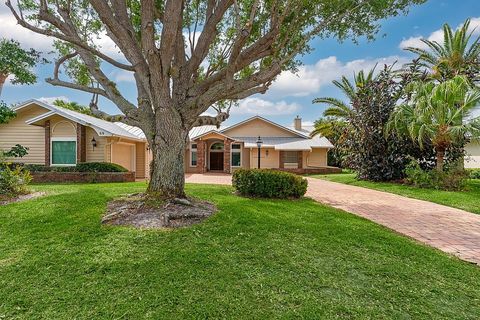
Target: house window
{"x":193,"y":155}
{"x":290,"y":157}
{"x":236,"y":155}
{"x":64,"y":151}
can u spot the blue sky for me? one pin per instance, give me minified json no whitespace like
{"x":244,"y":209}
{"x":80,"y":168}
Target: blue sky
{"x":291,"y":94}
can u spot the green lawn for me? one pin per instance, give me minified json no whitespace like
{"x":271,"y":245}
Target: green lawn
{"x":468,"y":200}
{"x":254,"y":259}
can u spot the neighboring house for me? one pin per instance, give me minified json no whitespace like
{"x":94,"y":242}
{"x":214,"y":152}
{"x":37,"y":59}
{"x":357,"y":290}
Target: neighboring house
{"x":472,"y":150}
{"x":59,"y":137}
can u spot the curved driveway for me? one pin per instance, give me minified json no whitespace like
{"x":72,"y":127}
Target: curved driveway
{"x":451,"y":230}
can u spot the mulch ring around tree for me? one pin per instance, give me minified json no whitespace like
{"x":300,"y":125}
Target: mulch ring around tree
{"x":138,"y":211}
{"x":23,"y":197}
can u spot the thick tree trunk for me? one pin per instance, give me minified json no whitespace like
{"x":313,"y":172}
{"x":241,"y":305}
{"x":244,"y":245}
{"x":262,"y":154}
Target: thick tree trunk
{"x":167,"y":175}
{"x":440,"y":158}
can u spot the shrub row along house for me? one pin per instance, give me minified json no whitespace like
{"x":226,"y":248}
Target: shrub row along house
{"x":60,"y":137}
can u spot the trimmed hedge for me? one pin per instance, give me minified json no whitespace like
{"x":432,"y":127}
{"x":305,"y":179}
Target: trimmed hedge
{"x":81,"y":167}
{"x":267,"y":183}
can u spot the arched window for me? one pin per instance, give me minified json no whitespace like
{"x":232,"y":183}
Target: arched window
{"x":217,"y":146}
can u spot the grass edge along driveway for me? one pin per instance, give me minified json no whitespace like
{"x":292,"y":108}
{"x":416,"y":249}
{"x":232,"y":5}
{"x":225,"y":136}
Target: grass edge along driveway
{"x":468,"y":200}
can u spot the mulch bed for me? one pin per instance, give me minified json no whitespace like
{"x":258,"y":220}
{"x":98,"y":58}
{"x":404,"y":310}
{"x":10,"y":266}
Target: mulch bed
{"x":138,"y":211}
{"x":21,"y":198}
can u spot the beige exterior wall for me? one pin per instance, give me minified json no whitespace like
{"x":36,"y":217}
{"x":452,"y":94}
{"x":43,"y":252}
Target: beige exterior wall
{"x":96,"y":154}
{"x":258,"y":127}
{"x":473,"y":155}
{"x":140,"y":161}
{"x":316,"y":158}
{"x":123,"y":154}
{"x":269,"y":158}
{"x":32,"y":137}
{"x":245,"y":157}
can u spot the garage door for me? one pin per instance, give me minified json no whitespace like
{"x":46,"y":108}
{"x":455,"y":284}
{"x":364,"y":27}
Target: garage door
{"x":123,"y":154}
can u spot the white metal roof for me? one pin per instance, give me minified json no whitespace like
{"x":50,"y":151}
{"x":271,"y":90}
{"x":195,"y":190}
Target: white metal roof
{"x":102,"y":127}
{"x":287,"y":143}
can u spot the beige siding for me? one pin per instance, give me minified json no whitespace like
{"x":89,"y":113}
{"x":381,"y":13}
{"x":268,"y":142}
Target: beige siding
{"x":98,"y":153}
{"x":269,"y":158}
{"x":258,"y":127}
{"x":245,"y":157}
{"x":473,"y":155}
{"x":316,"y":158}
{"x":32,"y":137}
{"x":60,"y":127}
{"x":140,"y":151}
{"x":107,"y":152}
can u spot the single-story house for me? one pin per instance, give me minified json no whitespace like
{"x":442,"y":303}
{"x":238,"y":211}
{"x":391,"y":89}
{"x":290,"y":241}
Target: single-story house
{"x":60,"y":137}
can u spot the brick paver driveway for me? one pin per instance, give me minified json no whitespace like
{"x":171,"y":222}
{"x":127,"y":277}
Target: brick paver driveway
{"x":451,"y":230}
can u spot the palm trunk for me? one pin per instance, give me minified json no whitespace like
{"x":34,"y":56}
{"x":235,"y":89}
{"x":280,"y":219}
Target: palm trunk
{"x":440,"y":158}
{"x":167,"y":175}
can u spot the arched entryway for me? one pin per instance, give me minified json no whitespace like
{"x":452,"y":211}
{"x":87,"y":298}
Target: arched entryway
{"x":216,"y":153}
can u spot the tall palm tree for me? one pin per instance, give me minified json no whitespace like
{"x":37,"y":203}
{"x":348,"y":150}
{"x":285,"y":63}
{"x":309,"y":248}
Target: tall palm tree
{"x":438,"y":115}
{"x":338,"y":108}
{"x":458,"y":54}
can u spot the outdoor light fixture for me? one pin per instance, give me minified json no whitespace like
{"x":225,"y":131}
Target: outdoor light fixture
{"x":259,"y":145}
{"x":94,"y":143}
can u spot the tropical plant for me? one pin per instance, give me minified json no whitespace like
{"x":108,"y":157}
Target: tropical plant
{"x":17,"y":62}
{"x":458,"y":54}
{"x":335,"y":131}
{"x":74,"y":106}
{"x":187,"y":56}
{"x":438,"y":115}
{"x":341,"y":109}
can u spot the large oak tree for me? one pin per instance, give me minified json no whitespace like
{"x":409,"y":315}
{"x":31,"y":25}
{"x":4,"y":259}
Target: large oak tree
{"x":189,"y":55}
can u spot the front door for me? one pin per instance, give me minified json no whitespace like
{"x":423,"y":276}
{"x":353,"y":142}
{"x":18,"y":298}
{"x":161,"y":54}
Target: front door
{"x":216,"y":161}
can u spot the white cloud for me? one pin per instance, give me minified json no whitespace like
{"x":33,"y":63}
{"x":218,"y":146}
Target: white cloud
{"x":28,"y":39}
{"x":122,"y":76}
{"x":311,"y":78}
{"x":50,"y":100}
{"x":259,"y":106}
{"x":437,"y":36}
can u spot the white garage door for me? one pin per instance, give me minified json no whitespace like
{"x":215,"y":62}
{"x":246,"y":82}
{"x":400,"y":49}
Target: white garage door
{"x":124,"y":155}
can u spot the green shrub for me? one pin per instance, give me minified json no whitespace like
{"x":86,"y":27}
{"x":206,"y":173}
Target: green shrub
{"x":474,"y":173}
{"x":267,"y":183}
{"x":14,"y":181}
{"x":81,"y":167}
{"x":100,"y":167}
{"x":453,"y":179}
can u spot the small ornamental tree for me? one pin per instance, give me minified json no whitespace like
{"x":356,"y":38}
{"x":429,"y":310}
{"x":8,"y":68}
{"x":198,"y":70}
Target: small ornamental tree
{"x":438,"y":115}
{"x":17,"y":62}
{"x":189,"y":55}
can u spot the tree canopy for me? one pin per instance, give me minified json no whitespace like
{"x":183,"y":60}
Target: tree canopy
{"x":17,"y":62}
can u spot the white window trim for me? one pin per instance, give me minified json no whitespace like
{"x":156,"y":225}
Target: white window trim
{"x":191,"y":151}
{"x":236,"y":151}
{"x":68,"y":139}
